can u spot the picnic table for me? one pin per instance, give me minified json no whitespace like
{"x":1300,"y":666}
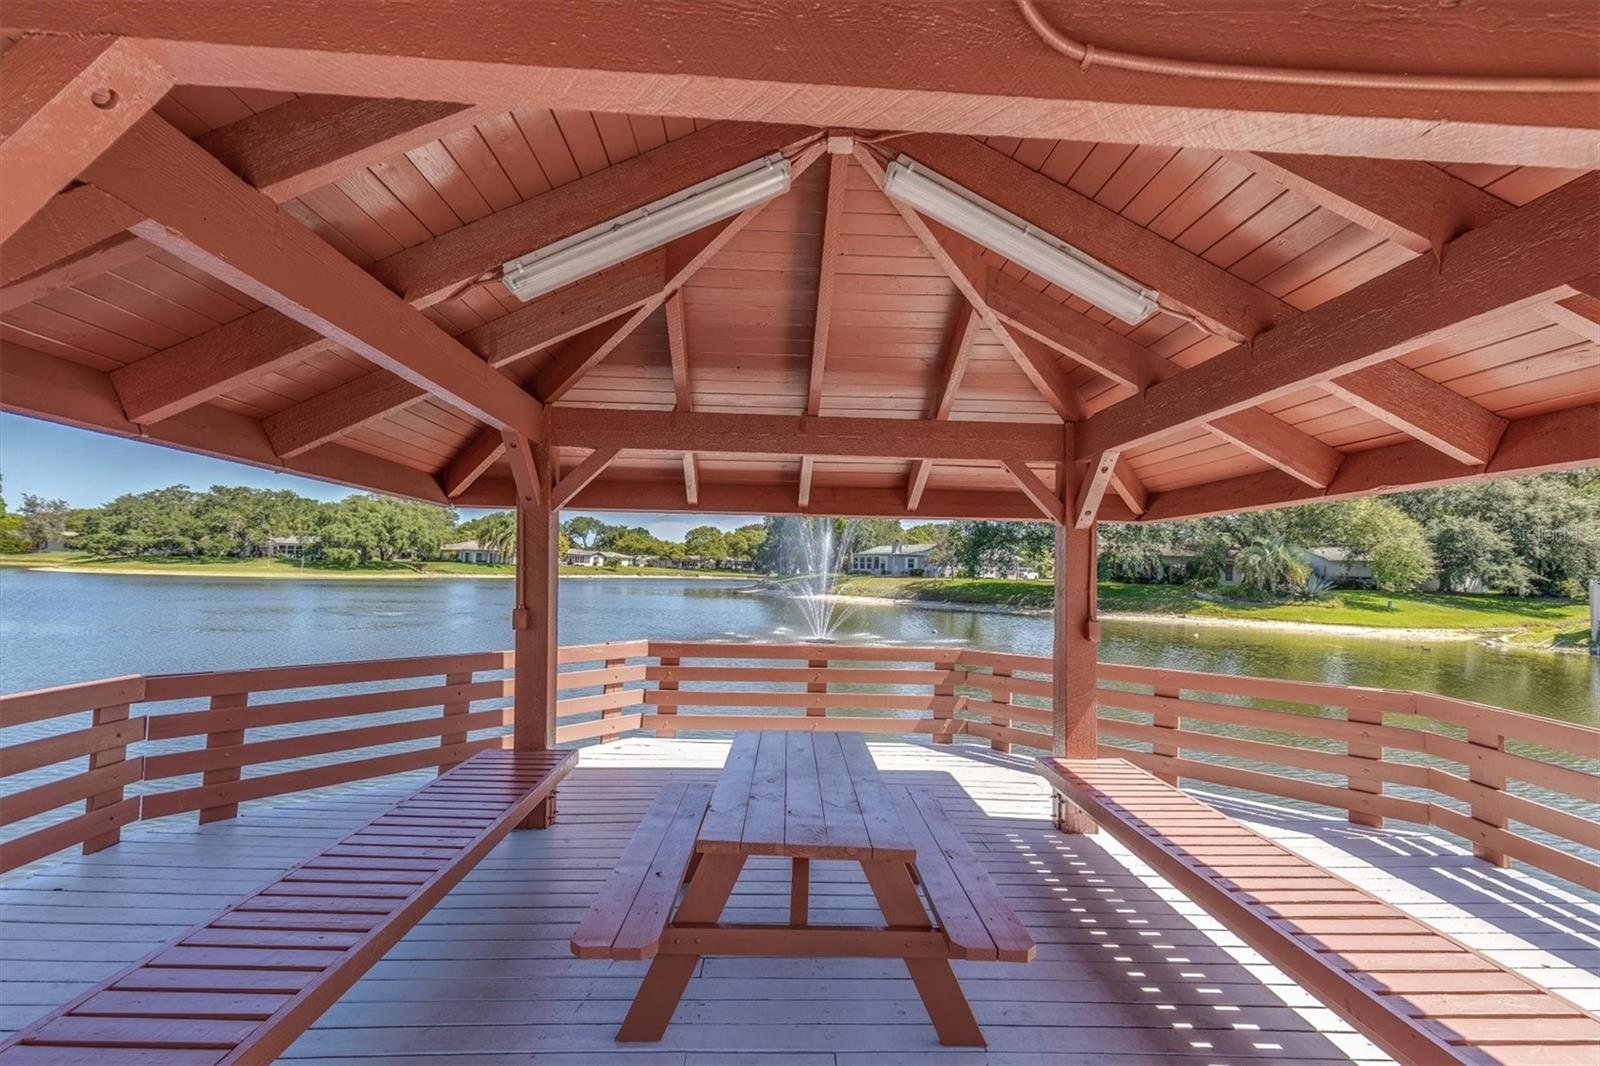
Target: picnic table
{"x":801,"y":796}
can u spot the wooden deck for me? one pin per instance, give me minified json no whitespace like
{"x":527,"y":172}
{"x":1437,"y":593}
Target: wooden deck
{"x":1127,"y":970}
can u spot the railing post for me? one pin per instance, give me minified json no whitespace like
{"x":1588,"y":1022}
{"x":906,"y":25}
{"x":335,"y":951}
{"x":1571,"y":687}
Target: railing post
{"x":1482,"y":771}
{"x":667,"y":685}
{"x":1366,"y":751}
{"x":944,"y":710}
{"x":1001,"y":720}
{"x":454,"y":709}
{"x":224,"y":738}
{"x":1166,"y":721}
{"x":99,"y":760}
{"x":817,"y":686}
{"x":611,"y":686}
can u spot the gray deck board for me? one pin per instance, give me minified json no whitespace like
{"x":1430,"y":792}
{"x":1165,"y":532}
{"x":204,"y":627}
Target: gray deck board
{"x":1128,"y":971}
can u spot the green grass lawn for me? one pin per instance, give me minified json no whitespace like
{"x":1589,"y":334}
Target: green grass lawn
{"x":1349,"y":607}
{"x":289,"y":568}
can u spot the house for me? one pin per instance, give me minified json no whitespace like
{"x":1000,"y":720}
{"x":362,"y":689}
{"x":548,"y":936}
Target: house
{"x":470,"y":551}
{"x":1339,"y":566}
{"x":895,"y":560}
{"x":583,"y":557}
{"x":620,"y":559}
{"x":58,"y":542}
{"x":287,"y":547}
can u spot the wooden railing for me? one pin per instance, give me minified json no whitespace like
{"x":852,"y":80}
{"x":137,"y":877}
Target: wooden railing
{"x":206,"y":742}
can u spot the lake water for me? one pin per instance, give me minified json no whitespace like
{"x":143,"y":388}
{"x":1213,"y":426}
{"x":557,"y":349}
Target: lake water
{"x":57,"y":628}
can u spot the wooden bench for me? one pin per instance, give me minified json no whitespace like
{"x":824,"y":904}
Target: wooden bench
{"x":1419,"y":994}
{"x":242,"y":986}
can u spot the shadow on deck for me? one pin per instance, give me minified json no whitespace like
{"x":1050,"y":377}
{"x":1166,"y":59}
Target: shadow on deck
{"x":1128,"y":970}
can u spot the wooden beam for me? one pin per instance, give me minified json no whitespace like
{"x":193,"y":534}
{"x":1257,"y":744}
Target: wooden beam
{"x":917,"y":483}
{"x":1041,"y":365}
{"x":827,"y":270}
{"x":957,"y":354}
{"x":1579,"y":314}
{"x":1038,"y":493}
{"x":859,"y":64}
{"x":1074,"y":657}
{"x":533,"y":619}
{"x":576,"y":479}
{"x":691,"y":479}
{"x":430,"y":272}
{"x":1559,"y":440}
{"x":1127,"y":485}
{"x":202,"y":213}
{"x":287,"y":150}
{"x":1094,"y":487}
{"x":473,"y":461}
{"x":198,"y":370}
{"x":1417,"y":205}
{"x":678,"y":353}
{"x":1423,"y":408}
{"x":1524,"y":260}
{"x":808,"y":467}
{"x":1274,"y":441}
{"x":1229,"y":305}
{"x":551,"y":318}
{"x":65,"y":101}
{"x":532,"y":469}
{"x":40,"y":385}
{"x":791,"y":435}
{"x":1077,"y":336}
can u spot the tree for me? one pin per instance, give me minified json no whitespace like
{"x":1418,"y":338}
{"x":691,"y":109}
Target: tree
{"x":744,"y":542}
{"x":975,"y":548}
{"x":1271,"y":566}
{"x":1131,"y":551}
{"x":584,"y":529}
{"x":384,"y":528}
{"x":1467,"y":549}
{"x":11,"y":538}
{"x":495,"y":532}
{"x":706,"y":542}
{"x":1393,"y":542}
{"x":43,"y":520}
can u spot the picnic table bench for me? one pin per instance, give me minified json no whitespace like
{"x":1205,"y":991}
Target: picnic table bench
{"x":240,"y":987}
{"x":802,"y":796}
{"x":1422,"y":996}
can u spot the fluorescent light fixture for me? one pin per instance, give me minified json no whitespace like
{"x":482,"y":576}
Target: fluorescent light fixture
{"x":647,"y":227}
{"x":1026,"y":245}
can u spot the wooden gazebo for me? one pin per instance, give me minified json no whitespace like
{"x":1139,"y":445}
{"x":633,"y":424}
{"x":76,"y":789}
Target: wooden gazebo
{"x":1367,"y":246}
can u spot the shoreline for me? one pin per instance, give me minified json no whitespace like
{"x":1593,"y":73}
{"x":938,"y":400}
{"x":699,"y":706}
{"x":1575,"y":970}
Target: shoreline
{"x":360,"y":575}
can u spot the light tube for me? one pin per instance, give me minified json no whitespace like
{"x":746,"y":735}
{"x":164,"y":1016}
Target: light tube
{"x":1024,"y":244}
{"x":651,"y":226}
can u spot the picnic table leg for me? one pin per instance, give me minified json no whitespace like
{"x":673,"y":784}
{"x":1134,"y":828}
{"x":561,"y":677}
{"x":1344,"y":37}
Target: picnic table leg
{"x":800,"y":893}
{"x":669,"y":975}
{"x":936,"y":982}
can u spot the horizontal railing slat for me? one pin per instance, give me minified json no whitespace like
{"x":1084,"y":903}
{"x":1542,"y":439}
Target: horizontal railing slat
{"x":47,"y":751}
{"x":19,"y":851}
{"x":52,"y":794}
{"x":317,"y":675}
{"x":24,"y":708}
{"x":293,"y":712}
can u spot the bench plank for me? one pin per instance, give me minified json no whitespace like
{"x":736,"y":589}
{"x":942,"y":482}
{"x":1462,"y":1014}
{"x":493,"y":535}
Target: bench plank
{"x":640,"y":935}
{"x":246,"y":983}
{"x":1422,"y":996}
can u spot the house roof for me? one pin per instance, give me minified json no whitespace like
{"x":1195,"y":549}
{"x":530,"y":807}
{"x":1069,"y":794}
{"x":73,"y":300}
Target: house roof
{"x":466,"y":546}
{"x":1337,"y":554}
{"x":903,"y":549}
{"x":1306,"y":344}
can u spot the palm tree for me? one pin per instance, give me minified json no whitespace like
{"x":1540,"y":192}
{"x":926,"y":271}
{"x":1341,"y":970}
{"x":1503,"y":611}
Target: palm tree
{"x":1270,"y":565}
{"x":498,"y":533}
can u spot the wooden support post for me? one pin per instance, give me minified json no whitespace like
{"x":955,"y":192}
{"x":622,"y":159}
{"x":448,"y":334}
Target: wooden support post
{"x":99,"y":760}
{"x":534,"y":618}
{"x":1074,"y":666}
{"x":667,"y":686}
{"x":1166,"y":721}
{"x":944,"y":708}
{"x":453,"y":709}
{"x":1491,"y":815}
{"x":817,"y":686}
{"x":611,"y":686}
{"x":224,"y":738}
{"x":995,"y":743}
{"x":800,"y":893}
{"x":1372,"y":752}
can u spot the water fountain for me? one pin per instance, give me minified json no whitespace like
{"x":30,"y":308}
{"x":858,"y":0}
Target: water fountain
{"x":811,"y":552}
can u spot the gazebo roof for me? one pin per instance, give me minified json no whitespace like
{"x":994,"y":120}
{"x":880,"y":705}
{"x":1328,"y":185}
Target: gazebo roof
{"x":1409,"y":297}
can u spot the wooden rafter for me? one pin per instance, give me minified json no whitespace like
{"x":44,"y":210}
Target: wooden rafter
{"x":204,"y":214}
{"x":473,"y":461}
{"x":682,"y":383}
{"x":957,"y":353}
{"x":1076,"y":336}
{"x":284,"y":151}
{"x":1228,"y":305}
{"x":828,"y":268}
{"x":575,"y":480}
{"x":917,"y":483}
{"x":808,"y":467}
{"x":961,"y":260}
{"x":791,"y":435}
{"x":691,"y":479}
{"x":1038,"y":493}
{"x":1272,"y":440}
{"x":1578,"y":314}
{"x":547,"y":320}
{"x":866,"y":66}
{"x":1423,"y":408}
{"x":1094,"y":487}
{"x":1128,"y":486}
{"x":1417,"y":205}
{"x":65,"y":101}
{"x":1525,"y":259}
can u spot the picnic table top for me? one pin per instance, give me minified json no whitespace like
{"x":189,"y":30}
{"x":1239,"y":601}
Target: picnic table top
{"x":806,"y":795}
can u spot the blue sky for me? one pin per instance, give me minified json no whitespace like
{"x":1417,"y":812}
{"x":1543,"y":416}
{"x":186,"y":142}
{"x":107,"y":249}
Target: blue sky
{"x":87,"y":469}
